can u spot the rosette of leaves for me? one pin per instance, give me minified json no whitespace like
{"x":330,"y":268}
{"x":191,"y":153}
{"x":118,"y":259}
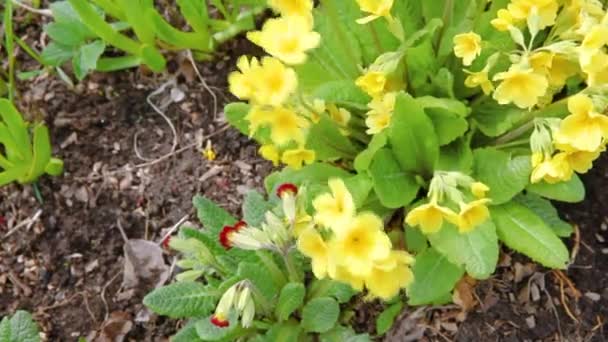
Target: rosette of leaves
{"x":437,"y":125}
{"x":82,"y":30}
{"x":27,"y":148}
{"x":285,"y":310}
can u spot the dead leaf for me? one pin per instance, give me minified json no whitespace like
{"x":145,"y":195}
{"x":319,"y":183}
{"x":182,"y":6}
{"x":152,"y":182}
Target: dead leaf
{"x":145,"y":268}
{"x":115,"y":328}
{"x":464,"y":293}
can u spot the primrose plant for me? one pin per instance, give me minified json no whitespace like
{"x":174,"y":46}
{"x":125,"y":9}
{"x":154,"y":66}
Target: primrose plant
{"x":82,"y":30}
{"x":245,"y":280}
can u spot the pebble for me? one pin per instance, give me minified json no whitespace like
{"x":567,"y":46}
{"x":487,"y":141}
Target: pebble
{"x":593,"y":296}
{"x":531,"y":322}
{"x":600,"y":238}
{"x":604,"y":250}
{"x":604,"y":226}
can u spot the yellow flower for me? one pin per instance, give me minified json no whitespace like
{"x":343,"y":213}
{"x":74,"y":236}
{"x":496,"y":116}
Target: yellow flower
{"x":342,"y":274}
{"x":584,"y":129}
{"x":379,"y":117}
{"x":595,"y":65}
{"x":276,"y":82}
{"x":286,"y":38}
{"x":479,"y":79}
{"x":360,"y":243}
{"x":390,"y":275}
{"x":472,"y":214}
{"x":298,"y":157}
{"x":336,"y":209}
{"x":286,"y":125}
{"x":292,"y":7}
{"x":242,"y":84}
{"x":561,"y":69}
{"x":478,"y":189}
{"x":372,"y":82}
{"x":521,"y":87}
{"x":430,"y":217}
{"x":208,"y":152}
{"x":258,"y":116}
{"x":581,"y":161}
{"x":503,"y":21}
{"x":467,"y":46}
{"x":270,"y":152}
{"x":552,"y":169}
{"x":596,"y":38}
{"x":340,"y":115}
{"x":376,"y":8}
{"x":311,"y":244}
{"x":546,"y":10}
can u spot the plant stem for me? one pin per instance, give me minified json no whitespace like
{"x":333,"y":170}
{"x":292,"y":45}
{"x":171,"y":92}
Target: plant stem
{"x":29,"y":50}
{"x":514,"y":143}
{"x":516,"y":133}
{"x":294,"y":276}
{"x":9,"y":36}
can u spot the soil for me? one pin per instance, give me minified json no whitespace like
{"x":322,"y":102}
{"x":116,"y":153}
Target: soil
{"x":66,"y":265}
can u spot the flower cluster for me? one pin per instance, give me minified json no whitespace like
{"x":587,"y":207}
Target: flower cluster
{"x":271,"y":84}
{"x":353,"y":247}
{"x":450,"y":190}
{"x":238,"y":298}
{"x":539,"y":68}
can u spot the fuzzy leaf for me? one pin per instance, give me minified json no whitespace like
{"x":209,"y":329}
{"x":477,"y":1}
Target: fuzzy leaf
{"x":571,"y":191}
{"x":22,"y":328}
{"x":284,"y":332}
{"x":211,"y":215}
{"x":290,"y":299}
{"x":504,"y":175}
{"x":182,"y":299}
{"x":320,"y":288}
{"x":394,"y":186}
{"x":187,"y":334}
{"x":343,"y":334}
{"x":545,"y":210}
{"x":434,"y":277}
{"x":255,"y":207}
{"x":522,"y":230}
{"x":313,"y":173}
{"x":328,"y":142}
{"x":320,"y":314}
{"x":385,"y":321}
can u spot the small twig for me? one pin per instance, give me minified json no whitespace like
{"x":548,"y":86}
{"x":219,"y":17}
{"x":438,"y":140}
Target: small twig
{"x":27,"y":291}
{"x":173,"y":228}
{"x":122,"y":231}
{"x":44,"y":12}
{"x":565,"y":302}
{"x":577,"y":244}
{"x":200,"y":77}
{"x":555,"y":313}
{"x":103,"y":295}
{"x":26,"y":223}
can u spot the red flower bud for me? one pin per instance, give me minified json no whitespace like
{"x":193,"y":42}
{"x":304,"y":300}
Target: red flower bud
{"x":286,"y":188}
{"x":219,"y":321}
{"x":225,"y":236}
{"x":166,"y":241}
{"x":240,"y":225}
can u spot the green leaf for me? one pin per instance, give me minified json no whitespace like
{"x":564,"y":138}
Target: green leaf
{"x":343,"y":334}
{"x":313,"y":173}
{"x":5,"y":330}
{"x":235,"y":113}
{"x":522,"y":230}
{"x":22,"y":328}
{"x":328,"y":142}
{"x":320,"y":314}
{"x":255,"y":207}
{"x":545,"y":210}
{"x":359,"y":187}
{"x":65,"y":33}
{"x":320,"y":288}
{"x":494,"y":119}
{"x":187,"y":334}
{"x":290,"y":299}
{"x":448,"y":125}
{"x":412,"y":136}
{"x":213,"y":217}
{"x":456,"y":156}
{"x":505,"y":176}
{"x":182,"y":299}
{"x":477,"y":250}
{"x":571,"y":191}
{"x":385,"y":321}
{"x":395,"y":187}
{"x":87,"y":57}
{"x":343,"y":92}
{"x":415,"y":240}
{"x":283,"y":332}
{"x":209,"y":332}
{"x":258,"y":274}
{"x":434,"y":277}
{"x":364,"y":158}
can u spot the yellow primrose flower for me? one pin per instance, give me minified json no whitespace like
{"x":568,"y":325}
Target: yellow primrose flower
{"x":340,"y":115}
{"x":242,"y":83}
{"x":270,"y":152}
{"x":472,"y":214}
{"x":342,"y":274}
{"x":467,"y":46}
{"x":584,"y":129}
{"x":286,"y":125}
{"x":595,"y":65}
{"x":258,"y":116}
{"x":552,"y":169}
{"x":360,"y":243}
{"x":479,"y":79}
{"x":372,"y":82}
{"x":379,"y":117}
{"x":208,"y":152}
{"x":376,"y":8}
{"x":276,"y":82}
{"x":286,"y":38}
{"x":385,"y":282}
{"x":521,"y":87}
{"x":311,"y":244}
{"x":581,"y":161}
{"x":430,"y":217}
{"x":596,"y":38}
{"x":292,"y":7}
{"x":478,"y":189}
{"x":503,"y":21}
{"x":297,"y":157}
{"x":336,"y":209}
{"x":561,"y":69}
{"x":546,"y":10}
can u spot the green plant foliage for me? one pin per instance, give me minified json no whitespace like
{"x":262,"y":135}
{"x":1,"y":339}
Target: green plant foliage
{"x":182,"y":299}
{"x":320,"y":314}
{"x":19,"y":328}
{"x":27,"y":150}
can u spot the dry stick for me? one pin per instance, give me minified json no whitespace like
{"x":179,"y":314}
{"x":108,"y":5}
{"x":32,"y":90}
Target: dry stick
{"x":122,"y":231}
{"x":200,"y":77}
{"x":46,"y":12}
{"x":103,"y":295}
{"x":554,"y":309}
{"x":175,"y":226}
{"x":26,"y":223}
{"x":160,"y":90}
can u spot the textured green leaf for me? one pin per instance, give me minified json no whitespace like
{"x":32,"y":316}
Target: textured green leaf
{"x":571,"y":191}
{"x":448,"y":125}
{"x":524,"y":231}
{"x":365,"y":157}
{"x":412,"y":136}
{"x":359,"y":187}
{"x":5,"y":330}
{"x":434,"y":277}
{"x":343,"y":92}
{"x":385,"y":321}
{"x":320,"y":288}
{"x":258,"y":274}
{"x":415,"y":240}
{"x":23,"y":328}
{"x":328,"y":142}
{"x":55,"y":54}
{"x":209,"y":332}
{"x":505,"y":176}
{"x":283,"y":332}
{"x":456,"y":156}
{"x":477,"y":250}
{"x":545,"y":210}
{"x":255,"y":207}
{"x":313,"y":173}
{"x":320,"y":314}
{"x":65,"y":33}
{"x":182,"y":299}
{"x":395,"y":187}
{"x":494,"y":119}
{"x":211,"y":215}
{"x":86,"y":58}
{"x":235,"y":114}
{"x":290,"y":299}
{"x":343,"y":334}
{"x":187,"y":334}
